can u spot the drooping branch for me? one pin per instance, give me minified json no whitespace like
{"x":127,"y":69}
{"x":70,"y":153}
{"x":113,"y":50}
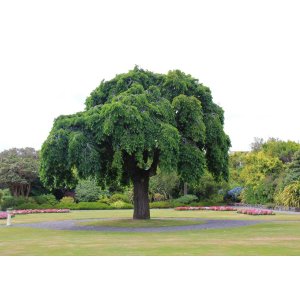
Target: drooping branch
{"x":153,"y":168}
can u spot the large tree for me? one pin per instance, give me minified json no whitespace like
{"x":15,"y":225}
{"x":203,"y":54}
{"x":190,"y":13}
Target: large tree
{"x":18,"y":170}
{"x":132,"y":125}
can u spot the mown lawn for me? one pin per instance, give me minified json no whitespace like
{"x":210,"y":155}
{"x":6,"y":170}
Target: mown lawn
{"x":277,"y":237}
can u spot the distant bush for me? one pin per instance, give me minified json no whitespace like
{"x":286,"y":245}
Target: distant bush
{"x":119,"y":197}
{"x":207,"y":188}
{"x":290,"y":196}
{"x":87,"y":191}
{"x":45,"y":199}
{"x":121,"y":205}
{"x":15,"y":202}
{"x":67,"y":199}
{"x":233,"y":194}
{"x":158,"y":197}
{"x":184,"y":200}
{"x":161,"y":204}
{"x":84,"y":206}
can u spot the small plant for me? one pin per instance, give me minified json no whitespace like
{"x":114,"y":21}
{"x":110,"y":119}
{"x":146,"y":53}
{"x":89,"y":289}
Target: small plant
{"x":45,"y":199}
{"x":290,"y":196}
{"x":158,"y":197}
{"x":184,"y":200}
{"x":119,"y":197}
{"x":67,"y":199}
{"x":121,"y":205}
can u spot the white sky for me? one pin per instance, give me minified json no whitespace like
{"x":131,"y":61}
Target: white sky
{"x":54,"y":53}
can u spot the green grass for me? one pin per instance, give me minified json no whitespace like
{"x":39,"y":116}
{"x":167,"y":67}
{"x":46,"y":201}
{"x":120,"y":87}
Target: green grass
{"x":141,"y":223}
{"x":280,"y":236}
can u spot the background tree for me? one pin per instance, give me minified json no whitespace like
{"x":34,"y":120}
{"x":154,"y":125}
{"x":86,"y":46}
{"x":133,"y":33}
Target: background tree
{"x":266,"y":170}
{"x":293,"y":171}
{"x":18,"y":170}
{"x":132,"y":125}
{"x":281,"y":149}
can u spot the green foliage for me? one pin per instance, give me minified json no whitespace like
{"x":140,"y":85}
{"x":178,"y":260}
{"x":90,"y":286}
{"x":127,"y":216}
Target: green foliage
{"x":16,"y":202}
{"x":119,"y":197}
{"x":207,"y":188}
{"x":281,"y":149}
{"x":290,"y":196}
{"x":84,"y":206}
{"x":258,"y":175}
{"x":87,"y":191}
{"x":65,"y":200}
{"x":158,"y":197}
{"x":165,"y":184}
{"x":191,"y":158}
{"x":184,"y":200}
{"x":217,"y":145}
{"x":266,"y":170}
{"x":18,"y":170}
{"x":119,"y":204}
{"x":1,"y":194}
{"x":189,"y":119}
{"x":42,"y":201}
{"x":46,"y":199}
{"x":293,"y":172}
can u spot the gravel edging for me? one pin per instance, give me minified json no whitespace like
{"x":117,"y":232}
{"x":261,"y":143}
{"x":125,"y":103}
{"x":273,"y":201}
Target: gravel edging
{"x":72,"y":225}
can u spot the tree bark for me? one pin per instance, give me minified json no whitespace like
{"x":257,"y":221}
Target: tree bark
{"x":185,"y":188}
{"x":141,"y":197}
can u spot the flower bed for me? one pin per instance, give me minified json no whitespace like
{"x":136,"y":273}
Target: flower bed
{"x":188,"y":208}
{"x":39,"y":211}
{"x":214,"y":208}
{"x":255,"y":212}
{"x":221,"y":208}
{"x":3,"y":215}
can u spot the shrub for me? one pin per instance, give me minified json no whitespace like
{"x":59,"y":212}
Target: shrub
{"x":207,"y":188}
{"x":105,"y":200}
{"x":290,"y":196}
{"x":184,"y":200}
{"x":15,"y":202}
{"x":87,"y":191}
{"x":48,"y":199}
{"x":121,"y":205}
{"x":158,"y":197}
{"x":161,"y":204}
{"x":119,"y":197}
{"x":166,"y":184}
{"x":67,"y":200}
{"x":84,"y":206}
{"x":233,"y":195}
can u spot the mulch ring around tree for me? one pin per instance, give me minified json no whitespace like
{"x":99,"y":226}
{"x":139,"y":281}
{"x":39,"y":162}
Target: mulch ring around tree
{"x":75,"y":225}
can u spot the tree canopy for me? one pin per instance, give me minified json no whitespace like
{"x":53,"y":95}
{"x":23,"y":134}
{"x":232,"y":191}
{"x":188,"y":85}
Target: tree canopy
{"x":18,"y":170}
{"x":132,"y":125}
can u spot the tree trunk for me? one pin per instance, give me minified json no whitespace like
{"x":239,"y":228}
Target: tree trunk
{"x":185,"y":188}
{"x":141,"y":198}
{"x":28,"y":190}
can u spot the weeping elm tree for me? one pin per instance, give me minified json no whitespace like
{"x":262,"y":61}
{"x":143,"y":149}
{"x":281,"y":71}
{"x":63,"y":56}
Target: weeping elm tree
{"x":134,"y":124}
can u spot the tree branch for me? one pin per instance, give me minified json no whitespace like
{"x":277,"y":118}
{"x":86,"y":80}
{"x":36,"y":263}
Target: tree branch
{"x":153,"y":168}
